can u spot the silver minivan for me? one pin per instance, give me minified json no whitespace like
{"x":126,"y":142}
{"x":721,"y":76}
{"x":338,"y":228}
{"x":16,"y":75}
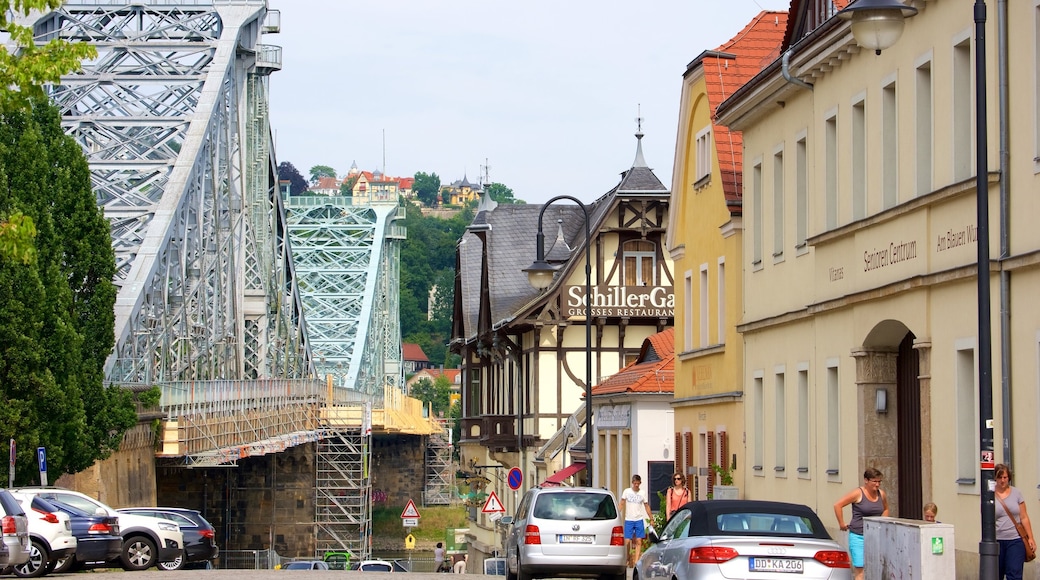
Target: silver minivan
{"x":15,"y":529}
{"x":569,"y":532}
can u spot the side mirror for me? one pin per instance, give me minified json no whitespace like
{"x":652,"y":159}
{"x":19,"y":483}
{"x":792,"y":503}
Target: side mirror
{"x":100,"y":512}
{"x":506,"y":520}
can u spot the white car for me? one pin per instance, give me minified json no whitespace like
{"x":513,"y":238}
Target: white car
{"x":50,"y":536}
{"x":146,"y":540}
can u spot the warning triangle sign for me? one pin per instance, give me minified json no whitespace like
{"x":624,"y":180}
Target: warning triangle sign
{"x":410,"y":511}
{"x":492,"y":505}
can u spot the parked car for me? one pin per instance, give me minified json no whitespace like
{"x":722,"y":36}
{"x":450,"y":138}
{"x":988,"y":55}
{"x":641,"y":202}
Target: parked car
{"x":98,"y":542}
{"x":566,"y":532}
{"x":734,"y":538}
{"x":305,"y":565}
{"x":146,"y":541}
{"x":200,"y":544}
{"x":15,"y":526}
{"x":375,"y":566}
{"x":50,"y":536}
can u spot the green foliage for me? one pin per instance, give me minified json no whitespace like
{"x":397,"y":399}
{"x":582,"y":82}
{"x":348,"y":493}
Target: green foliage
{"x":386,"y":522}
{"x":346,"y":189}
{"x":725,"y":477}
{"x":288,"y":172}
{"x":502,"y":194}
{"x":17,"y":234}
{"x":150,"y":398}
{"x":319,"y":171}
{"x":426,"y":187}
{"x":57,"y":308}
{"x":436,"y":393}
{"x":24,"y":71}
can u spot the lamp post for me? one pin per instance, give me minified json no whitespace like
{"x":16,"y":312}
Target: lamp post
{"x":540,"y":274}
{"x":891,"y":10}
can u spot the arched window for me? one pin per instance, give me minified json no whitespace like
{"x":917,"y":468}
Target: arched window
{"x":640,"y":263}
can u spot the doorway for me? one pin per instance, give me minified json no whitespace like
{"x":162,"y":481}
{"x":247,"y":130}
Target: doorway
{"x":908,"y":436}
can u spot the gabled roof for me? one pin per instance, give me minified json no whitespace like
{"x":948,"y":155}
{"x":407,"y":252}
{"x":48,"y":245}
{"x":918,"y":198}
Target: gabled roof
{"x":726,"y":69}
{"x":652,"y":372}
{"x":413,"y":352}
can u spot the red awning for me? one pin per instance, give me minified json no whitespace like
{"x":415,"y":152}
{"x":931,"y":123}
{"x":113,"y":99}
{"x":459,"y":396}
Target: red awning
{"x":558,"y":477}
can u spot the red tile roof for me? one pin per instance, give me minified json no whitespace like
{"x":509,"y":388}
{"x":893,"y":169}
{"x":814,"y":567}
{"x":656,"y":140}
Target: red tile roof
{"x":653,"y":371}
{"x":412,"y":351}
{"x":747,"y":53}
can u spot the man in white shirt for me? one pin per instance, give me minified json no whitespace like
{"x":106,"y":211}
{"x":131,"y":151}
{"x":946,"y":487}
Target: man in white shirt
{"x":634,"y":504}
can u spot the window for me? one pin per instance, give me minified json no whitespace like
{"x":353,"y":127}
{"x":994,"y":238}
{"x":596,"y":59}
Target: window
{"x":722,"y":300}
{"x":859,"y":160}
{"x":962,"y":113}
{"x":830,"y":151}
{"x":780,"y":428}
{"x":757,"y":211}
{"x":705,"y":340}
{"x":757,"y":408}
{"x":833,"y":418}
{"x":801,"y":191}
{"x":923,"y":128}
{"x":803,"y":419}
{"x":703,"y":147}
{"x":688,"y":311}
{"x":889,"y":147}
{"x":967,"y":414}
{"x":778,"y":203}
{"x":640,"y":262}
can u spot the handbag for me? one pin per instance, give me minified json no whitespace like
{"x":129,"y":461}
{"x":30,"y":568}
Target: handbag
{"x":1030,"y":552}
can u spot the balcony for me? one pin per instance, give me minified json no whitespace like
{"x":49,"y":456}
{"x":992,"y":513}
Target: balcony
{"x":268,"y":58}
{"x":496,"y":432}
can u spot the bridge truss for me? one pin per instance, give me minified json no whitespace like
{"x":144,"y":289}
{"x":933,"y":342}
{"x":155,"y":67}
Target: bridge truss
{"x":172,"y":116}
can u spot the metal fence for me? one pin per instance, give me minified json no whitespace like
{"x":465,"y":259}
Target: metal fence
{"x":250,"y":560}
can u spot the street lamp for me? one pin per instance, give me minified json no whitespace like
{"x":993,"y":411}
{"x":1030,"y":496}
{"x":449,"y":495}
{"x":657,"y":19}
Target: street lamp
{"x":877,"y":24}
{"x":988,"y":548}
{"x":540,"y":274}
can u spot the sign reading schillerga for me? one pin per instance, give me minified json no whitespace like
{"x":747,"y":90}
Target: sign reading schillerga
{"x":634,"y":301}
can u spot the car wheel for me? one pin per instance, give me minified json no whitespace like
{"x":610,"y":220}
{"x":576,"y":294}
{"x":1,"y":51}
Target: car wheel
{"x":63,"y":564}
{"x":36,"y":565}
{"x":138,"y":553}
{"x":520,"y":574}
{"x":174,"y":565}
{"x":509,"y":573}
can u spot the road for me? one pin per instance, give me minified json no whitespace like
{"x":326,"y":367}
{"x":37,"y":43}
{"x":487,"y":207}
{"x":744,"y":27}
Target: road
{"x":153,"y":574}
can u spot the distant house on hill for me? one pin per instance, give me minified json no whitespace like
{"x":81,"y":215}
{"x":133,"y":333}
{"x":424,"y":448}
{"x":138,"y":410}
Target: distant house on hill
{"x":414,"y":358}
{"x":460,"y":192}
{"x":326,"y":186}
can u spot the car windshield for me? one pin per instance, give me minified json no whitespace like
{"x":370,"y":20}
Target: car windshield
{"x":575,"y":506}
{"x":764,"y":524}
{"x":376,"y":567}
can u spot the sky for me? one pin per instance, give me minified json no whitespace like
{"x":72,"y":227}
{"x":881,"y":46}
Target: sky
{"x":544,"y":94}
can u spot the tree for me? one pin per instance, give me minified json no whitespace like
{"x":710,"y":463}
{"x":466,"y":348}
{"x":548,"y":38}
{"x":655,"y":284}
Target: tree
{"x":56,"y":309}
{"x":436,"y":393}
{"x":319,"y":171}
{"x":426,"y":188}
{"x":288,"y":172}
{"x":502,"y":194}
{"x":346,"y":188}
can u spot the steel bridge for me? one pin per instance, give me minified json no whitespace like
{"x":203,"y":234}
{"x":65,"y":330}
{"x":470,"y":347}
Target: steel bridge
{"x":231,"y":298}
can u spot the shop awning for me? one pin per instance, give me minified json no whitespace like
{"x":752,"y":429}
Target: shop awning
{"x":558,"y":477}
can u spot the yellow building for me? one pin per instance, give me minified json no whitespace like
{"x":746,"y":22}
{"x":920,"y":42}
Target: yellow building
{"x":861,"y":321}
{"x":460,"y":192}
{"x":705,"y":234}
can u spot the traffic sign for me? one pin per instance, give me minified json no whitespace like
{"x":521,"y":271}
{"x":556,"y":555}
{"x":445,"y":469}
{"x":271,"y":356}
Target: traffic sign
{"x":410,"y":512}
{"x":410,"y":522}
{"x":493,"y":505}
{"x":515,"y":478}
{"x":41,"y":456}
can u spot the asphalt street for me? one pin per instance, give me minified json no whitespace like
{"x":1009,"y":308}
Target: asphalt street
{"x":106,"y":574}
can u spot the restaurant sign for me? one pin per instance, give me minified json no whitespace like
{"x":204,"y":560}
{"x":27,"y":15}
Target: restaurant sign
{"x":626,"y":301}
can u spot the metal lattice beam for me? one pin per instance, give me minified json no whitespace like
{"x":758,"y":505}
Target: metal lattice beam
{"x":172,"y":116}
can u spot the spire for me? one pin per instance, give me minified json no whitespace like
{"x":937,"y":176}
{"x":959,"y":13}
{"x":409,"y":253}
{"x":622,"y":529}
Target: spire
{"x":639,"y":162}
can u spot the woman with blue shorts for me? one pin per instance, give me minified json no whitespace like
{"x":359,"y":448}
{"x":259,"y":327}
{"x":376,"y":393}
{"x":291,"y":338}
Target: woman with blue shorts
{"x":867,"y":500}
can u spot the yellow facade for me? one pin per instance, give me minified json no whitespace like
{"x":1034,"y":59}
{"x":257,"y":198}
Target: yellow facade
{"x":861,"y":318}
{"x":704,"y":240}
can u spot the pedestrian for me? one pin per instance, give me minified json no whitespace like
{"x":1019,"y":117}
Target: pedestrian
{"x":460,"y":566}
{"x":1011,"y":513}
{"x":634,"y":504}
{"x":867,"y":500}
{"x":930,"y":512}
{"x":438,"y":558}
{"x":677,"y":496}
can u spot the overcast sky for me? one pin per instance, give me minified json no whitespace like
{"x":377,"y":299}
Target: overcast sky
{"x":544,"y":93}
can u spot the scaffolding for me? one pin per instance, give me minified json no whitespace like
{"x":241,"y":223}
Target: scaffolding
{"x":343,"y":492}
{"x":440,"y":477}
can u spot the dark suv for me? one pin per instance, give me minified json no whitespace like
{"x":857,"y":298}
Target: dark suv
{"x":200,"y":547}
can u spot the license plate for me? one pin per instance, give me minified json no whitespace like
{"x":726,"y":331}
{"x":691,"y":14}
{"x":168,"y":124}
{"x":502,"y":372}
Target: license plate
{"x":790,"y":565}
{"x":575,"y":539}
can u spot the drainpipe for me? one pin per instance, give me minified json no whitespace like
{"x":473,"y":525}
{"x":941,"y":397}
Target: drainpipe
{"x":786,"y":70}
{"x":1005,"y":250}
